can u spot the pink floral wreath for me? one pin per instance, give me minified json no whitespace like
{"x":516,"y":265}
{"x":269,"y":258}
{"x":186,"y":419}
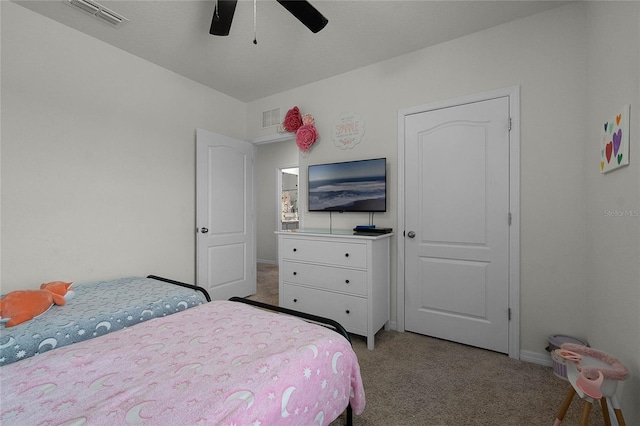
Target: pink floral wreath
{"x":303,"y":126}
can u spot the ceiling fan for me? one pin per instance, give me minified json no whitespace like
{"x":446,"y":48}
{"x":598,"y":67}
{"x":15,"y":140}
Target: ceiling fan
{"x":301,"y":9}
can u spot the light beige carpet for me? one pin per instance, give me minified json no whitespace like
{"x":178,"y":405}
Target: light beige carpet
{"x":410,"y":379}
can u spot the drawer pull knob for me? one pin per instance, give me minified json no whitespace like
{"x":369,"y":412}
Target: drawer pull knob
{"x":295,"y":300}
{"x":346,"y":281}
{"x":346,"y":255}
{"x":347,"y":311}
{"x":295,"y":273}
{"x":295,"y":249}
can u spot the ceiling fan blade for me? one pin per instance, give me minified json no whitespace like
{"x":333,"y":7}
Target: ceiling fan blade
{"x":306,"y":13}
{"x":222,"y":17}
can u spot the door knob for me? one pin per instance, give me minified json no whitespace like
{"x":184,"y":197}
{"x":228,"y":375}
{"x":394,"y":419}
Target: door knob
{"x":204,"y":230}
{"x":411,"y":234}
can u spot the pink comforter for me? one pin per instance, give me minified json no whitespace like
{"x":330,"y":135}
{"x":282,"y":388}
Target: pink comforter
{"x":222,"y":363}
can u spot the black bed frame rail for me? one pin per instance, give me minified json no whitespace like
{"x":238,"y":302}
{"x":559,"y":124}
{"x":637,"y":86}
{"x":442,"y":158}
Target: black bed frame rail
{"x":327,"y":322}
{"x":321,"y":320}
{"x":191,"y":286}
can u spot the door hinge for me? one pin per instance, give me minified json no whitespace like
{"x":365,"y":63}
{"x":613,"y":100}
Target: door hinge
{"x":509,"y":311}
{"x":509,"y":218}
{"x":509,"y":126}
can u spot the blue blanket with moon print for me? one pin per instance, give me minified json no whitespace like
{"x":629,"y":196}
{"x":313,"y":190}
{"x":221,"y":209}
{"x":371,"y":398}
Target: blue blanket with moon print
{"x":97,"y":308}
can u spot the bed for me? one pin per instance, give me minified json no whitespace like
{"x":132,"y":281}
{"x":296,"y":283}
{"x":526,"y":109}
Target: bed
{"x":98,"y":308}
{"x":220,"y":363}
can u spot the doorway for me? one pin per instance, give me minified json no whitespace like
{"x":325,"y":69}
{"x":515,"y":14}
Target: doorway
{"x":272,"y":157}
{"x":458,"y":265}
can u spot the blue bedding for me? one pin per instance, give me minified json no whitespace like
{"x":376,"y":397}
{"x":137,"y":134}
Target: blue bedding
{"x":97,"y":308}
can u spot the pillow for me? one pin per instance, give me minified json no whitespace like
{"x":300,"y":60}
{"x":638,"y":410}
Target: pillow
{"x":22,"y":305}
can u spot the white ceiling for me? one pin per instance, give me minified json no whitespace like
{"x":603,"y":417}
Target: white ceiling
{"x":175,"y":35}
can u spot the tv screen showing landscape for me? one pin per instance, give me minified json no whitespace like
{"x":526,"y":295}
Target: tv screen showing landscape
{"x":352,"y":186}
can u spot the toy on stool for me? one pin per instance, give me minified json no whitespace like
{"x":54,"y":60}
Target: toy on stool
{"x":594,"y":375}
{"x":22,"y":305}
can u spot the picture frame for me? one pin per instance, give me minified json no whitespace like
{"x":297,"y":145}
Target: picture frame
{"x":614,"y":149}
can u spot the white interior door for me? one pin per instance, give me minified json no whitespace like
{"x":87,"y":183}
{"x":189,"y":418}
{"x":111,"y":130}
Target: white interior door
{"x":457,"y":223}
{"x":225,"y":220}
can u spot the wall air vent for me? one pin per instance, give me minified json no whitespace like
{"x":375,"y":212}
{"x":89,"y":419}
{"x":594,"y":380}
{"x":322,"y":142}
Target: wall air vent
{"x":98,"y":11}
{"x":271,"y":117}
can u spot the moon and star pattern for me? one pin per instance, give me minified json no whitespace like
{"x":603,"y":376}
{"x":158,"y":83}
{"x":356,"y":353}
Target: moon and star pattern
{"x":96,"y":309}
{"x":221,"y":363}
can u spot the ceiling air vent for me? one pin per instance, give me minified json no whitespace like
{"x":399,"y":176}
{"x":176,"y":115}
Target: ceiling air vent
{"x":98,"y":11}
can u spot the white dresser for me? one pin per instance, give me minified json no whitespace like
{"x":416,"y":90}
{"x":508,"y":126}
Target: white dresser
{"x":337,"y":275}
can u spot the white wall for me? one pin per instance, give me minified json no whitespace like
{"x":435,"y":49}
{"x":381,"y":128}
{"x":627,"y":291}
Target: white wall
{"x":613,"y":199}
{"x":269,"y":158}
{"x":98,"y":157}
{"x":545,"y":55}
{"x":565,"y":286}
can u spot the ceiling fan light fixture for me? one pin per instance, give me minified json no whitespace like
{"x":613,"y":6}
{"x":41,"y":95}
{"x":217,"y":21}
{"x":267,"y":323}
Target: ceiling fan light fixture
{"x":98,"y":11}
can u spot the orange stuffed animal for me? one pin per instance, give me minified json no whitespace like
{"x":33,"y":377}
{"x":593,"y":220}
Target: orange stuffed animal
{"x":23,"y":305}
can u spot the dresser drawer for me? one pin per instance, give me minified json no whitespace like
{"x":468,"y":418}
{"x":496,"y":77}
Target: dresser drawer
{"x":349,"y":311}
{"x":326,"y":277}
{"x":328,"y":252}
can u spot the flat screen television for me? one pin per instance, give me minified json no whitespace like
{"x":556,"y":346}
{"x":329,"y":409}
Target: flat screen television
{"x":351,"y":186}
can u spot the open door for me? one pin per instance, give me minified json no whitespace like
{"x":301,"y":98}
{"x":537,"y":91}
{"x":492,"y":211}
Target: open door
{"x":225,"y":219}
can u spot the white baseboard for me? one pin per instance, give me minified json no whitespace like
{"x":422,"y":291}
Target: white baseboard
{"x":540,"y":358}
